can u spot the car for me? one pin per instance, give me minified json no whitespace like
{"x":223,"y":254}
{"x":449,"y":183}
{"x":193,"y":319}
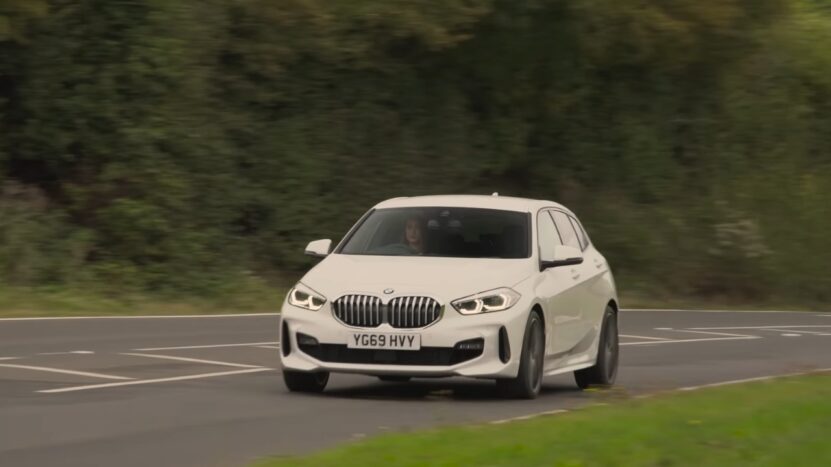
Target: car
{"x":494,"y":287}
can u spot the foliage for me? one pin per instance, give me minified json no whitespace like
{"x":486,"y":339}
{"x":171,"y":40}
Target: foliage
{"x":173,"y":146}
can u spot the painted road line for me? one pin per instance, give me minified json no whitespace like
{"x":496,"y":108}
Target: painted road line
{"x":750,"y":380}
{"x":61,"y":370}
{"x":776,"y":326}
{"x":152,"y":381}
{"x":192,"y":360}
{"x":683,"y":310}
{"x":210,"y":346}
{"x":528,"y":417}
{"x":796,"y":331}
{"x":72,"y":352}
{"x":645,"y":337}
{"x":268,"y":346}
{"x":9,"y":358}
{"x":713,"y":333}
{"x":679,"y":341}
{"x":224,"y":315}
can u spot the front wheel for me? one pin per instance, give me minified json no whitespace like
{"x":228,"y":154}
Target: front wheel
{"x":304,"y":381}
{"x":528,"y":381}
{"x":604,"y":371}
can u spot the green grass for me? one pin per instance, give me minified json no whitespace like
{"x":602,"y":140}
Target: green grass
{"x":62,"y":301}
{"x":786,"y":422}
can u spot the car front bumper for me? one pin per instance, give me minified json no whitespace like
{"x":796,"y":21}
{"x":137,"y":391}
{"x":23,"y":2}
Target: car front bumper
{"x":445,"y":345}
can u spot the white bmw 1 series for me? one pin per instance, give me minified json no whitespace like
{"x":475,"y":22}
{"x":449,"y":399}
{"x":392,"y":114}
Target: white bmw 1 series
{"x":494,"y":287}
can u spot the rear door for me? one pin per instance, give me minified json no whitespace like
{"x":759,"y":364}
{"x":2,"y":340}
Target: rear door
{"x":585,"y":275}
{"x":561,"y":300}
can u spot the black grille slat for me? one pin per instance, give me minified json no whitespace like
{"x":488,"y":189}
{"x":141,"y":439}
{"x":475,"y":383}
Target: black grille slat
{"x":413,"y":312}
{"x":366,"y":311}
{"x":358,"y":310}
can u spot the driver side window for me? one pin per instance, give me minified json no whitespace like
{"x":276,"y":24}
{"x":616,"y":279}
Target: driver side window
{"x":547,"y":235}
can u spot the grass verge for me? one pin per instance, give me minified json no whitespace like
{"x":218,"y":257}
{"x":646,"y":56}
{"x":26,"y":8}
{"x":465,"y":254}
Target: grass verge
{"x":774,"y":423}
{"x":60,"y":301}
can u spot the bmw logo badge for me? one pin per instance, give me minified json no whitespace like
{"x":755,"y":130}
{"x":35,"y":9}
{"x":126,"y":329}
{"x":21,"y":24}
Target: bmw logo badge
{"x":388,"y":291}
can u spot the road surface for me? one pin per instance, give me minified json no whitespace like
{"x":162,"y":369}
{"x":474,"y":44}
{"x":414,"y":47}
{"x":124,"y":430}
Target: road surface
{"x":203,"y":391}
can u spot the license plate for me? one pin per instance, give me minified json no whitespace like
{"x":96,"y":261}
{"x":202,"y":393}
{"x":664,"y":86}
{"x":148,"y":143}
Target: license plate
{"x":374,"y":340}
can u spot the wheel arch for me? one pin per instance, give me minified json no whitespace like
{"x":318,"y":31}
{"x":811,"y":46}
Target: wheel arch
{"x":537,"y":308}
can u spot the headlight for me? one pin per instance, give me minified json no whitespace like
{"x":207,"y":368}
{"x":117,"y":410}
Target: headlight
{"x":304,"y":297}
{"x":486,"y":302}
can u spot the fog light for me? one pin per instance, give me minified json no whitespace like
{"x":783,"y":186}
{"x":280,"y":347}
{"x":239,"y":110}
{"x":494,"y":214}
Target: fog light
{"x":472,"y":344}
{"x":306,"y":340}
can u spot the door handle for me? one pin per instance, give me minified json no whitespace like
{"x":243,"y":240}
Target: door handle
{"x":575,"y":274}
{"x":598,"y":264}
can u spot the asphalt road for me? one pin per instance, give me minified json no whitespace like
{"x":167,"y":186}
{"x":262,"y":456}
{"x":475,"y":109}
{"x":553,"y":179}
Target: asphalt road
{"x":208,"y":391}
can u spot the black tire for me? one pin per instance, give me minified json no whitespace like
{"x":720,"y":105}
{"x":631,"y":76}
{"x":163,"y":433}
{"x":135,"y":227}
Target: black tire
{"x":394,"y":379}
{"x":604,"y":371}
{"x":304,"y":381}
{"x":528,"y":381}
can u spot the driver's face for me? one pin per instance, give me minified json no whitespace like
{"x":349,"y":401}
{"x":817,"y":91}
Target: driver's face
{"x":413,"y":232}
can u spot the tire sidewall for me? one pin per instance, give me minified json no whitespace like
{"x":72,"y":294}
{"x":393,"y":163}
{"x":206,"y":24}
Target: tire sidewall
{"x":534,"y":326}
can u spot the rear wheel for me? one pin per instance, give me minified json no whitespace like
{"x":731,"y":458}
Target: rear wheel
{"x":304,"y":381}
{"x":604,"y":371}
{"x":528,"y":381}
{"x":394,"y":379}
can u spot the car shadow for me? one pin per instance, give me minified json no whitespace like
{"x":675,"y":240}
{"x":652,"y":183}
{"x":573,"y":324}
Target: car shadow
{"x":438,"y":389}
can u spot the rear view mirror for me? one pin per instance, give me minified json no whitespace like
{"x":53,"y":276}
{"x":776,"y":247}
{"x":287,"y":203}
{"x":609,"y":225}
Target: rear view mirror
{"x":319,"y":248}
{"x":563,"y":256}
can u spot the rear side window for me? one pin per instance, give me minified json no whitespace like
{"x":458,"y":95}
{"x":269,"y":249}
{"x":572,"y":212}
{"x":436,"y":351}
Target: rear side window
{"x":581,"y":234}
{"x":548,"y":237}
{"x":566,"y":230}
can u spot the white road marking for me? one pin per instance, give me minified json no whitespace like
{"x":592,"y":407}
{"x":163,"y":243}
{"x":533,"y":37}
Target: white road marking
{"x":750,"y":380}
{"x":224,"y":315}
{"x":790,"y":334}
{"x":193,"y":360}
{"x":9,"y":358}
{"x":152,"y":381}
{"x":713,"y":333}
{"x":795,"y":331}
{"x":60,"y":370}
{"x":72,"y":352}
{"x":211,"y":346}
{"x":678,"y":341}
{"x":777,"y":326}
{"x":528,"y":417}
{"x":721,"y":311}
{"x":663,"y":329}
{"x":268,"y":346}
{"x":645,"y":337}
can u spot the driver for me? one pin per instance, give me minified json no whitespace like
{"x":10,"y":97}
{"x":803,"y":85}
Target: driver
{"x":414,"y":234}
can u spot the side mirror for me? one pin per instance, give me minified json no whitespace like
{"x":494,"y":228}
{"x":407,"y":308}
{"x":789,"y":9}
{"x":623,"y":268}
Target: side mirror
{"x":319,"y":248}
{"x":563,"y":256}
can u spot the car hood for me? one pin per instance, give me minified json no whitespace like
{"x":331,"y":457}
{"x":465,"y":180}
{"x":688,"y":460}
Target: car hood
{"x":442,"y":278}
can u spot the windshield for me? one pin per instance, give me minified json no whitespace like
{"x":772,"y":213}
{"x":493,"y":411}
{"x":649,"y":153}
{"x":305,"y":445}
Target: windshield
{"x":443,"y":232}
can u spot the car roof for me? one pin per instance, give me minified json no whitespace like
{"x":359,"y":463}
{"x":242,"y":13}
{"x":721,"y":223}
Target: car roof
{"x":507,"y":203}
